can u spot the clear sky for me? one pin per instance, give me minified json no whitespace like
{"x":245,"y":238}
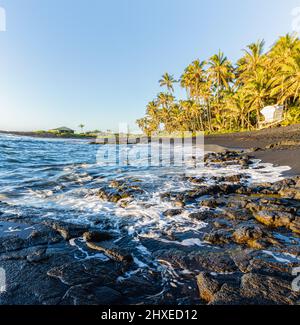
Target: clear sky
{"x":97,"y":62}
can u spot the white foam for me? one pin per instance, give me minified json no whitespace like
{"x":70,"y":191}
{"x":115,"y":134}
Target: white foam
{"x":291,"y":258}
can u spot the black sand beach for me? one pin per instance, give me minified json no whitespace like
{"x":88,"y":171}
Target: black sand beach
{"x":280,"y":146}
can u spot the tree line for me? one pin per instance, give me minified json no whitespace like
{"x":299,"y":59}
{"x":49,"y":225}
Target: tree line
{"x":224,"y":97}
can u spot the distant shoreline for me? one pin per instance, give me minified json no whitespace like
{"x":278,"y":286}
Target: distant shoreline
{"x":47,"y":135}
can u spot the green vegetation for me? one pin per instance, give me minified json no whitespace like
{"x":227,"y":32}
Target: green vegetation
{"x":222,"y":97}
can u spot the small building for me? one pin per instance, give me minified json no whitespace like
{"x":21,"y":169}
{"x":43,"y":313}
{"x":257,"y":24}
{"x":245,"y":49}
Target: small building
{"x":272,"y":113}
{"x":63,"y":130}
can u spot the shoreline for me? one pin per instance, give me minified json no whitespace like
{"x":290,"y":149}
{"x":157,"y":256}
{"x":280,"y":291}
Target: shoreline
{"x":45,"y":135}
{"x":280,"y":146}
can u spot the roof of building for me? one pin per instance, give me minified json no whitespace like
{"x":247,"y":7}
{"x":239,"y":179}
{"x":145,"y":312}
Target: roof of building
{"x":63,"y":128}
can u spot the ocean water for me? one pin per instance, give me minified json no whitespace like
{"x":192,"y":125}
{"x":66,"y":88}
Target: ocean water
{"x":60,"y":179}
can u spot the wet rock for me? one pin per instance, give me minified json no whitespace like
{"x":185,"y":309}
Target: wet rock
{"x":242,"y":258}
{"x":236,"y":214}
{"x":37,"y":255}
{"x":119,"y":190}
{"x":237,"y":202}
{"x":265,"y":264}
{"x":42,"y":236}
{"x":28,"y":282}
{"x":112,"y":195}
{"x":71,"y":274}
{"x":172,"y":212}
{"x":227,"y":295}
{"x":202,"y":215}
{"x":235,"y":178}
{"x":291,"y":193}
{"x":218,"y":237}
{"x":199,"y":192}
{"x":228,"y":188}
{"x":202,"y":259}
{"x":272,"y":204}
{"x":97,"y":236}
{"x":274,"y":218}
{"x":249,"y":235}
{"x":88,"y":294}
{"x":138,"y":285}
{"x":11,"y":243}
{"x":211,"y":203}
{"x":227,"y":158}
{"x":295,"y":225}
{"x":197,"y":180}
{"x":220,"y":224}
{"x":112,"y":250}
{"x":213,"y":261}
{"x":87,"y":271}
{"x":179,"y":204}
{"x":219,"y":190}
{"x":207,"y":286}
{"x":67,"y":230}
{"x":274,"y":290}
{"x":232,"y":178}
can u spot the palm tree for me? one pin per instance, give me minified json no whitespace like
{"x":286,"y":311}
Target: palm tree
{"x":221,"y":75}
{"x":257,"y":92}
{"x":282,"y":55}
{"x":220,"y":72}
{"x":284,"y":48}
{"x":194,"y":80}
{"x":167,"y":81}
{"x":221,"y":97}
{"x":238,"y":107}
{"x":145,"y":125}
{"x":81,"y":126}
{"x":165,"y":99}
{"x":193,"y":76}
{"x":153,"y":112}
{"x":288,"y":80}
{"x":252,"y":60}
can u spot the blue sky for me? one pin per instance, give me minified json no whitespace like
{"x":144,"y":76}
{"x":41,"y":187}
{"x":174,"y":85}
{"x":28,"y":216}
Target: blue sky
{"x":97,"y":62}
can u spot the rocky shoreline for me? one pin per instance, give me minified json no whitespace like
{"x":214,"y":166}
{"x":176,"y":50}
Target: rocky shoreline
{"x":249,"y":246}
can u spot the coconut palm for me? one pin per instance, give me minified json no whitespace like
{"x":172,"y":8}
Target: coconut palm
{"x":193,"y":76}
{"x":81,"y":126}
{"x":220,"y":72}
{"x":165,"y":99}
{"x":284,"y":48}
{"x":167,"y":81}
{"x":287,"y":85}
{"x":223,"y":97}
{"x":257,"y":92}
{"x":238,"y":106}
{"x":251,"y":62}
